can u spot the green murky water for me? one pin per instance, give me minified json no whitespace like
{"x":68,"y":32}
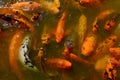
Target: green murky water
{"x":78,"y":71}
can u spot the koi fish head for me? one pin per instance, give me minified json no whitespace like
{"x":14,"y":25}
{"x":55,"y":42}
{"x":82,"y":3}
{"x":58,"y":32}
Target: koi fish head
{"x":59,"y":38}
{"x":68,"y":65}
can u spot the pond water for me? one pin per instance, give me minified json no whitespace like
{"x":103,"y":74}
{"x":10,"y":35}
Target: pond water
{"x":47,"y":24}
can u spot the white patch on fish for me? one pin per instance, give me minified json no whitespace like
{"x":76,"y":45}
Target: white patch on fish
{"x":23,"y":54}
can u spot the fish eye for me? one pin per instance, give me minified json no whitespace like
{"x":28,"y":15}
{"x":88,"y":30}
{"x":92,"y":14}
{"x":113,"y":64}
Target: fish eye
{"x":30,"y":2}
{"x":17,"y":12}
{"x":114,"y":40}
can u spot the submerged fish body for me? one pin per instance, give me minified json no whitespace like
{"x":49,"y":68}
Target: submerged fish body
{"x":24,"y":54}
{"x":28,"y":6}
{"x":25,"y":24}
{"x":45,"y":37}
{"x":68,"y":53}
{"x":88,"y":45}
{"x":91,"y":3}
{"x":59,"y":34}
{"x":16,"y":13}
{"x":101,"y":63}
{"x":110,"y":72}
{"x":58,"y":63}
{"x":13,"y":53}
{"x":104,"y":14}
{"x":51,"y":6}
{"x":82,"y":28}
{"x":103,"y":48}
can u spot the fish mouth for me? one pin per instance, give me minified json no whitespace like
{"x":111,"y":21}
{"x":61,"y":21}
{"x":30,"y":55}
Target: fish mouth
{"x":85,"y":4}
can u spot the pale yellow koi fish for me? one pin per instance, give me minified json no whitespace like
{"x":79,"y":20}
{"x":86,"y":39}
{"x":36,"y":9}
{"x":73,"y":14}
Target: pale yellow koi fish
{"x":51,"y":6}
{"x":81,"y":28}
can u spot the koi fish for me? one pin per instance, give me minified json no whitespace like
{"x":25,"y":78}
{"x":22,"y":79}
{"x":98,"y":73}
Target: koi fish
{"x":82,"y":28}
{"x":110,"y":24}
{"x":68,"y":53}
{"x":40,"y":59}
{"x":59,"y":34}
{"x":104,"y":14}
{"x":88,"y":45}
{"x":28,"y":6}
{"x":110,"y":72}
{"x":91,"y":3}
{"x":74,"y":57}
{"x":25,"y":24}
{"x":51,"y":6}
{"x":58,"y":63}
{"x":45,"y":37}
{"x":103,"y":48}
{"x":15,"y":12}
{"x":13,"y":53}
{"x":24,"y":54}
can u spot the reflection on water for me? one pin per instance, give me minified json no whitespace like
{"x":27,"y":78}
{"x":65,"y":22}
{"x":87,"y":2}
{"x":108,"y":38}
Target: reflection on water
{"x":78,"y":71}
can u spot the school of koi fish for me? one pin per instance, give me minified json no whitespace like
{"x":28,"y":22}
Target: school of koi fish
{"x":60,"y":38}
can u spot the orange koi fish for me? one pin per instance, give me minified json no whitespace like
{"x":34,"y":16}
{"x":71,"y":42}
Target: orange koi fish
{"x":13,"y":53}
{"x":91,"y":3}
{"x":58,"y":63}
{"x":110,"y":72}
{"x":28,"y":6}
{"x":16,"y":13}
{"x":25,"y":24}
{"x":68,"y":49}
{"x":59,"y":34}
{"x":52,"y":6}
{"x":88,"y":45}
{"x":74,"y":57}
{"x":104,"y":14}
